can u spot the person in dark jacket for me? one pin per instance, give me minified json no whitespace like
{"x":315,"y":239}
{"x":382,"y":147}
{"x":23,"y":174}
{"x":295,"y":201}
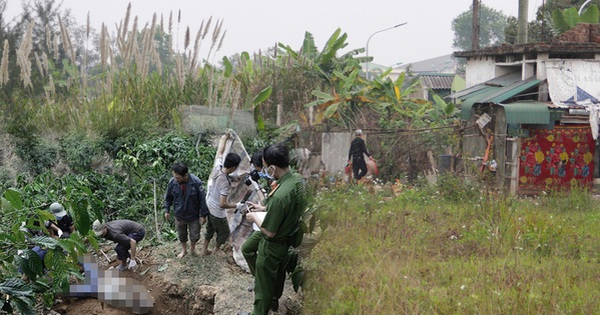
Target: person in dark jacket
{"x":185,"y":192}
{"x":358,"y":149}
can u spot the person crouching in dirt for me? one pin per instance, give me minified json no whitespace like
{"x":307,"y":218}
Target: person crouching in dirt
{"x":126,"y":234}
{"x":64,"y":226}
{"x":217,"y":198}
{"x":185,"y":192}
{"x":356,"y":155}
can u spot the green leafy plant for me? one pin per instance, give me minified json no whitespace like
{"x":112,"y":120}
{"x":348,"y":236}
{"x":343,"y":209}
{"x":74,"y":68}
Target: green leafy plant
{"x":78,"y":151}
{"x":44,"y":277}
{"x":39,"y":155}
{"x":564,"y":20}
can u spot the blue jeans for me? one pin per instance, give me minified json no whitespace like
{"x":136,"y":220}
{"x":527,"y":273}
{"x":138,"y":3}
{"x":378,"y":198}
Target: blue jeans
{"x":41,"y":253}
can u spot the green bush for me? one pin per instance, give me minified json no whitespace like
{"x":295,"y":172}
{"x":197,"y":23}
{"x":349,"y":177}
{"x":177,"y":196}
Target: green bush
{"x":154,"y":158}
{"x":456,"y":188}
{"x":6,"y":179}
{"x":37,"y":154}
{"x":78,"y":151}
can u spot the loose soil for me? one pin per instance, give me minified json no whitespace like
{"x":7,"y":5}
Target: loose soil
{"x":211,"y":284}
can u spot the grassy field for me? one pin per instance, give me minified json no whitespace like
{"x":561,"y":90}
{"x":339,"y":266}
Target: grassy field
{"x":452,"y":249}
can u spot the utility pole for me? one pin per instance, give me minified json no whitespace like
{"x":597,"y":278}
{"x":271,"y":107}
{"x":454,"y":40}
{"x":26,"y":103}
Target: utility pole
{"x":475,"y":33}
{"x":522,"y":22}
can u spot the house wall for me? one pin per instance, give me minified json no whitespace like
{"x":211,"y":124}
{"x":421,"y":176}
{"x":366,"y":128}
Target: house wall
{"x":480,"y":69}
{"x":564,"y":76}
{"x":541,"y":74}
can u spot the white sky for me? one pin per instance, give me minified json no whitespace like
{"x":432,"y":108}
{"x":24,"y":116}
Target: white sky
{"x":259,"y":24}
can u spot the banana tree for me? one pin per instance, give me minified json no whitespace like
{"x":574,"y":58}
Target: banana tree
{"x":393,"y":96}
{"x":566,"y":19}
{"x":326,"y":61}
{"x":336,"y":106}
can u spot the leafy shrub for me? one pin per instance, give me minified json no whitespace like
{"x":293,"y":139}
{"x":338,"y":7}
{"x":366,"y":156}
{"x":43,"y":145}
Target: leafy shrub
{"x":27,"y":206}
{"x":37,"y":154}
{"x":6,"y":180}
{"x":455,"y":188}
{"x":78,"y":151}
{"x":155,"y":157}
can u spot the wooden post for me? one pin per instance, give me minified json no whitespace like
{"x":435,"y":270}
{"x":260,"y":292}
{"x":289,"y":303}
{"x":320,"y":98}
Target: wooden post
{"x":514,"y":164}
{"x":279,"y":115}
{"x":500,"y":146}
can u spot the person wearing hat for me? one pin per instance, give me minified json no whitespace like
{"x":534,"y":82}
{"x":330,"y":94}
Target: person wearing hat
{"x":63,"y":227}
{"x":126,"y":234}
{"x":358,"y":149}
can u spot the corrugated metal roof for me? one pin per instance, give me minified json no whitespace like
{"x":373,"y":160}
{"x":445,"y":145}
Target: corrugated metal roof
{"x":509,"y":91}
{"x":497,"y":82}
{"x":506,"y":79}
{"x":495,"y":95}
{"x":437,"y":81}
{"x":527,"y":113}
{"x":467,"y":104}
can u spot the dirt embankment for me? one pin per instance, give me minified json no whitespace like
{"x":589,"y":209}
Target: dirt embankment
{"x":191,"y":285}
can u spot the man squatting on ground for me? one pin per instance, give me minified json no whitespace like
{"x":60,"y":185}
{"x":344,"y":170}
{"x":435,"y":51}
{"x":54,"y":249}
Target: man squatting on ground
{"x":126,"y":234}
{"x":63,"y":226}
{"x":284,"y":207}
{"x":218,"y":195}
{"x":185,"y":192}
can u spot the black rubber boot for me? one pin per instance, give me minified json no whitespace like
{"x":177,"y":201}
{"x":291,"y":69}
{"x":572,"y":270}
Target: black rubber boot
{"x":274,"y":305}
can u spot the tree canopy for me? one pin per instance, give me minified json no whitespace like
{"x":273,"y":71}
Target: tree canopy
{"x":492,"y":23}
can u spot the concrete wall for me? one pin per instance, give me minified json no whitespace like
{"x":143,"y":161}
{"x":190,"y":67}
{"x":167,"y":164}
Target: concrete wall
{"x":334,"y":151}
{"x":480,"y":69}
{"x":203,"y":119}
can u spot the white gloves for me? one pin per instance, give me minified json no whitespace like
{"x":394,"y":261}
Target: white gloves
{"x":60,"y":233}
{"x":240,"y":207}
{"x":132,"y":263}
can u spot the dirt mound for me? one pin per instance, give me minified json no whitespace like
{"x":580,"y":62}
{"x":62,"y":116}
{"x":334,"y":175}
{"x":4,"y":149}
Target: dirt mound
{"x":211,"y":284}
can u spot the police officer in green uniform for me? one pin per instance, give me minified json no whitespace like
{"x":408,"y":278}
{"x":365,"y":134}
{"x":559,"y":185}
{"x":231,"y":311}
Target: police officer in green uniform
{"x":284,"y":207}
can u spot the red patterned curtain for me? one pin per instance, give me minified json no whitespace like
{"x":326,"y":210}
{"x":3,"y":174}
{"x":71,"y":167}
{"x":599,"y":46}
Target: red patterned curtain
{"x":558,"y":158}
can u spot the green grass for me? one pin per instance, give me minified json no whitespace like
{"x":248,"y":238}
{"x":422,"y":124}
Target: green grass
{"x":435,"y":255}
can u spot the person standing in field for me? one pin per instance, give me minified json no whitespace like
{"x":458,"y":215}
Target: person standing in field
{"x":358,"y":149}
{"x":185,"y":192}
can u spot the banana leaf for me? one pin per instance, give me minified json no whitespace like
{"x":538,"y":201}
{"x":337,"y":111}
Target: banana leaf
{"x":590,"y":15}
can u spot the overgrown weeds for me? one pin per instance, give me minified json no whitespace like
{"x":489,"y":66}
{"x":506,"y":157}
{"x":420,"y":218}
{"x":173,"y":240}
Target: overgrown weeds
{"x":484,"y":253}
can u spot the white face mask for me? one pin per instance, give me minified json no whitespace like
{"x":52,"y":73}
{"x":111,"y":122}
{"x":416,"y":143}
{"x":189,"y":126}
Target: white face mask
{"x":270,"y":175}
